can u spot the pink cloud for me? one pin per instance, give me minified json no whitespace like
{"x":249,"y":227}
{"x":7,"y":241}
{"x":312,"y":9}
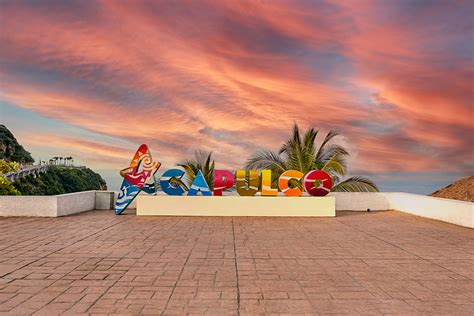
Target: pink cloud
{"x":233,"y":76}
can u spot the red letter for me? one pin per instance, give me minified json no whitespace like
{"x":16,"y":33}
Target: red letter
{"x":223,"y":179}
{"x":317,"y":183}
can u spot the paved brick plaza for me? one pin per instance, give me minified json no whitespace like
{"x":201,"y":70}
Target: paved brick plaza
{"x":365,"y":263}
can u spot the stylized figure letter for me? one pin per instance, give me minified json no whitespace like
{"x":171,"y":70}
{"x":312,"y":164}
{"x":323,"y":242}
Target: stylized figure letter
{"x":137,"y":177}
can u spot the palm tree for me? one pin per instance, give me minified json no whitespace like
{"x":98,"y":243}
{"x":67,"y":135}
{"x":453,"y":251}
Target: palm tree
{"x":203,"y":161}
{"x":304,"y":154}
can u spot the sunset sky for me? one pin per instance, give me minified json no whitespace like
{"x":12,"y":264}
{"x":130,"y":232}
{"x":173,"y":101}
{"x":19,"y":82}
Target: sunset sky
{"x":94,"y":80}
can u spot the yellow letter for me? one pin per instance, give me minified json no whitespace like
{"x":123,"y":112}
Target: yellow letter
{"x":241,"y":182}
{"x":267,"y":183}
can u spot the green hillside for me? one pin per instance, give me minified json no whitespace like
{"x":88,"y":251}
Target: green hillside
{"x":10,"y":149}
{"x":60,"y":180}
{"x":56,"y":180}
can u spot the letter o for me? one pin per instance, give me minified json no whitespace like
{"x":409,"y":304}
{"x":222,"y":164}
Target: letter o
{"x":325,"y":183}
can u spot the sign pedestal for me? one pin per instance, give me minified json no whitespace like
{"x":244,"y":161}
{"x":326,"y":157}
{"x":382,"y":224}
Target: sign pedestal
{"x":303,"y":206}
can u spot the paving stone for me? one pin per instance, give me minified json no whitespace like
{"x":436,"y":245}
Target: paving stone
{"x":357,"y":263}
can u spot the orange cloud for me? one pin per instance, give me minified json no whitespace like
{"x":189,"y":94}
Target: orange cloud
{"x":234,"y":76}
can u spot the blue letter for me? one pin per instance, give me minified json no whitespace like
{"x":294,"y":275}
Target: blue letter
{"x":167,"y":186}
{"x":199,"y":184}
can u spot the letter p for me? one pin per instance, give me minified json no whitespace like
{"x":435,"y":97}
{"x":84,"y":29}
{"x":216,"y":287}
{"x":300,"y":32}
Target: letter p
{"x":223,"y":179}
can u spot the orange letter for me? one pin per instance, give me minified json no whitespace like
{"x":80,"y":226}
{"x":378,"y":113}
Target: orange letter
{"x":285,"y":178}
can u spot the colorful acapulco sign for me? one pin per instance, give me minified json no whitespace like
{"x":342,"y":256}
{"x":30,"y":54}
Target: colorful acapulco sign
{"x":140,"y":176}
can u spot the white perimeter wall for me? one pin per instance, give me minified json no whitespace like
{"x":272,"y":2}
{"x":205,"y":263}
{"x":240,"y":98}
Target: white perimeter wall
{"x":451,"y":211}
{"x":28,"y":205}
{"x":55,"y":205}
{"x":75,"y":203}
{"x":361,"y":201}
{"x":446,"y":210}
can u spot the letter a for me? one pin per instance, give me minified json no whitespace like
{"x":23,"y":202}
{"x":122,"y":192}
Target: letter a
{"x":199,"y":185}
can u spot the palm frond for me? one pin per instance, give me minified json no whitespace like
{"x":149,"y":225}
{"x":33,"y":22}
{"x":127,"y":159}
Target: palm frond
{"x":309,"y":150}
{"x":293,"y":149}
{"x":309,"y":138}
{"x":335,"y":166}
{"x":266,"y":159}
{"x":202,"y":160}
{"x":356,"y":184}
{"x":331,"y":150}
{"x":190,"y":171}
{"x":330,"y":135}
{"x":291,"y":142}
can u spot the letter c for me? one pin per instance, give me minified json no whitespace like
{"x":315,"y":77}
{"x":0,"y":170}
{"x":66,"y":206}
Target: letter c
{"x":168,"y":187}
{"x":283,"y":182}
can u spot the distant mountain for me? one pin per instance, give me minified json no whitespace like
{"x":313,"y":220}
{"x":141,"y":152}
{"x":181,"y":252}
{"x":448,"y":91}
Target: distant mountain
{"x":462,"y":190}
{"x":10,"y":149}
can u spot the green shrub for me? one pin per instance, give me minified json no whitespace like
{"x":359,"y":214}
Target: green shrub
{"x":6,"y":188}
{"x":6,"y":166}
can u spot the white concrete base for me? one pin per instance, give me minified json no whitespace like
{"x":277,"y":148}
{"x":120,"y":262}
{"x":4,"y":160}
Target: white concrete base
{"x":236,"y":206}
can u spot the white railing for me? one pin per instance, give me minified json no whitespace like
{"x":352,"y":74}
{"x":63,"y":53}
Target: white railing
{"x":33,"y":170}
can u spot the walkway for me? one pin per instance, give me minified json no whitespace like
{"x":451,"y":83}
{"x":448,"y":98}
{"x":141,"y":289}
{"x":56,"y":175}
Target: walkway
{"x":365,"y":263}
{"x":28,"y":171}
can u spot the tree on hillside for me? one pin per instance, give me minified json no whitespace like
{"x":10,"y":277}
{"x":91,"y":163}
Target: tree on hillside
{"x":58,"y":180}
{"x":10,"y":149}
